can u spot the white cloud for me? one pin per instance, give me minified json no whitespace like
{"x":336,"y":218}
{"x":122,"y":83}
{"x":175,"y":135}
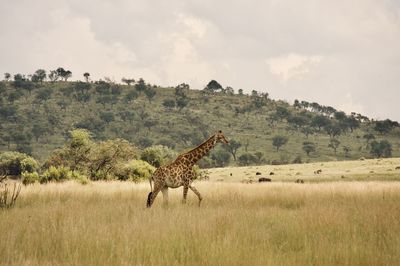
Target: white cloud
{"x":292,"y":65}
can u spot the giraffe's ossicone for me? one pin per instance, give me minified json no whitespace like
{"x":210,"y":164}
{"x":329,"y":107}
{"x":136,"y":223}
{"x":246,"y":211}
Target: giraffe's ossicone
{"x":180,"y":172}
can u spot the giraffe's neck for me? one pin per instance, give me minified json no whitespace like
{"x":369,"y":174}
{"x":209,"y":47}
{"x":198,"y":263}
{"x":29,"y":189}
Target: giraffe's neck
{"x":193,"y":156}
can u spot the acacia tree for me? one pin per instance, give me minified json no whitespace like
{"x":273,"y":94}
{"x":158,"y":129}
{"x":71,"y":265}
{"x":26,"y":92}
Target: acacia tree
{"x":278,"y":141}
{"x":308,"y":147}
{"x":233,"y":147}
{"x":334,"y":144}
{"x":39,"y":75}
{"x":86,"y":75}
{"x":382,"y":148}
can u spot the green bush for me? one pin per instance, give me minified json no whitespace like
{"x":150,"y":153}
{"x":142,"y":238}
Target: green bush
{"x":82,"y":179}
{"x":55,"y":174}
{"x":30,"y":178}
{"x":15,"y":163}
{"x":135,"y":170}
{"x":158,"y":155}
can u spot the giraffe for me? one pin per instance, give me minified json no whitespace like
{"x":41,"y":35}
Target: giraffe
{"x":180,"y":172}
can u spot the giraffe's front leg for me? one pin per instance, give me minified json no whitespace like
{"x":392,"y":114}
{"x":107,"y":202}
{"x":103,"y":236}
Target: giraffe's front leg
{"x":152,"y":195}
{"x":197,"y":193}
{"x":185,"y":191}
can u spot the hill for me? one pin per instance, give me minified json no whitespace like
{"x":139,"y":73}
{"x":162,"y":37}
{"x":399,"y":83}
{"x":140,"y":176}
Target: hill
{"x":36,"y":116}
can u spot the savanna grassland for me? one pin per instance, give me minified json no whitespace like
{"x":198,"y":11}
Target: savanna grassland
{"x":278,"y":223}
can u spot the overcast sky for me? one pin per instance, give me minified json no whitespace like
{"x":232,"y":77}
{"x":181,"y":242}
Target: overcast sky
{"x":341,"y":53}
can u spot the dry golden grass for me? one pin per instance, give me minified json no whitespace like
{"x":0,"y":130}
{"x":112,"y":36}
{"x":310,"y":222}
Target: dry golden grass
{"x":341,"y":223}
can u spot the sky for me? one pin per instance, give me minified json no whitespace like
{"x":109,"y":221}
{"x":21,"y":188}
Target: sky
{"x":344,"y":54}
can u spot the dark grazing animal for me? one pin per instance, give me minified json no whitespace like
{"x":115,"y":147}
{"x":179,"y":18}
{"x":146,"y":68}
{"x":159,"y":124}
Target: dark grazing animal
{"x":301,"y":181}
{"x":264,"y":179}
{"x":258,"y":173}
{"x":271,"y":173}
{"x":318,"y":172}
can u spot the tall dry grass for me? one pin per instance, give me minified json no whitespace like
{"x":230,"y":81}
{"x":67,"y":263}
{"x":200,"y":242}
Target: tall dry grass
{"x":237,"y":224}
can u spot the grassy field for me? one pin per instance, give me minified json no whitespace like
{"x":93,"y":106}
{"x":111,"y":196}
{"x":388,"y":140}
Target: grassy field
{"x":279,"y":223}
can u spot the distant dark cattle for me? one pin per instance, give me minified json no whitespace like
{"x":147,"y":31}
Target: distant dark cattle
{"x":318,"y":172}
{"x":258,"y":173}
{"x":264,"y":179}
{"x":397,"y":168}
{"x":271,"y":173}
{"x":230,"y":174}
{"x":301,"y":181}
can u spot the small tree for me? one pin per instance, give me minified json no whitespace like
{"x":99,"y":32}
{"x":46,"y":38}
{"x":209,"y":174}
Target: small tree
{"x":368,"y":137}
{"x":334,"y":144}
{"x":346,"y":150}
{"x":381,"y":149}
{"x":279,"y":141}
{"x":87,"y":76}
{"x":7,"y":76}
{"x":128,"y":81}
{"x":213,"y":86}
{"x":150,"y":93}
{"x":232,"y":147}
{"x":39,"y":75}
{"x":308,"y":147}
{"x":169,"y":104}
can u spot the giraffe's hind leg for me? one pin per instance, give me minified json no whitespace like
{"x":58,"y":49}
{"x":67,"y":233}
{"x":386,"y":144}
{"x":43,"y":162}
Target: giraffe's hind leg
{"x":185,"y":191}
{"x":164,"y":191}
{"x":197,"y":193}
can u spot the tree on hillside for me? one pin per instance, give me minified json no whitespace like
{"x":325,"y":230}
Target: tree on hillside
{"x":150,"y":93}
{"x":44,"y":94}
{"x":385,"y":126}
{"x":240,"y":92}
{"x":169,"y":104}
{"x":233,"y":147}
{"x":53,"y":76}
{"x":282,"y":112}
{"x":182,"y":102}
{"x":39,"y":75}
{"x":307,"y":131}
{"x":346,"y":150}
{"x":131,"y":95}
{"x":87,"y":76}
{"x":128,"y":81}
{"x":278,"y":141}
{"x":334,"y":144}
{"x":141,"y":86}
{"x":368,"y":137}
{"x":181,"y":90}
{"x":107,"y":117}
{"x":381,"y":149}
{"x":308,"y":147}
{"x":320,"y":121}
{"x":213,"y":86}
{"x":333,"y":129}
{"x":82,"y":92}
{"x":339,"y":115}
{"x":7,"y":76}
{"x":65,"y":74}
{"x":220,"y":157}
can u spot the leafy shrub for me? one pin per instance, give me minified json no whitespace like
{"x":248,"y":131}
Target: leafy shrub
{"x":15,"y":163}
{"x":135,"y":170}
{"x":30,"y":178}
{"x":55,"y":174}
{"x":82,"y":179}
{"x":158,"y":155}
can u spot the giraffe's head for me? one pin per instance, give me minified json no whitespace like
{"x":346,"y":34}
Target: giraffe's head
{"x":219,"y":137}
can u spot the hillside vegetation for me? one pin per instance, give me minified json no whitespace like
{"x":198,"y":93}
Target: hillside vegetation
{"x":36,"y":117}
